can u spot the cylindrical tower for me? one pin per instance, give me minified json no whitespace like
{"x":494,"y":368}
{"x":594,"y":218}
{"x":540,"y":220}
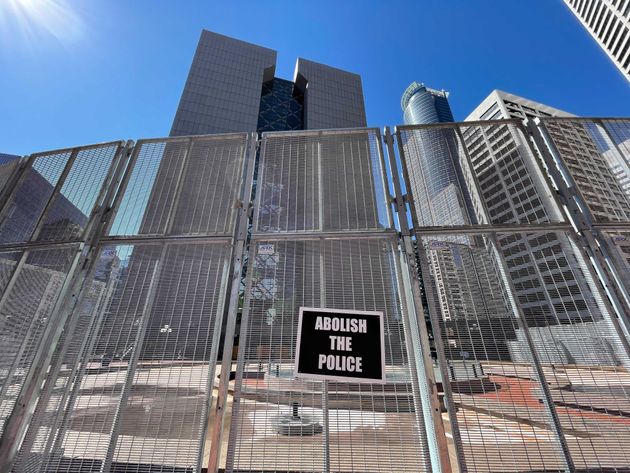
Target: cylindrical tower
{"x":422,"y":105}
{"x":437,"y":181}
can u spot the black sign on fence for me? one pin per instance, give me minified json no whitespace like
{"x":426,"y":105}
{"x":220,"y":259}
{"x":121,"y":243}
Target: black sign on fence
{"x":341,"y":345}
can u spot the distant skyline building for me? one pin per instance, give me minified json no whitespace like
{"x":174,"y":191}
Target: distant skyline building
{"x":422,"y":105}
{"x":231,"y":87}
{"x":499,"y":105}
{"x":5,"y":158}
{"x":546,"y":270}
{"x":64,"y":220}
{"x":438,"y":186}
{"x":608,"y":22}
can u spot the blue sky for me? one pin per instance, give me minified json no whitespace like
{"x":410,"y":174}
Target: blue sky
{"x":82,"y":71}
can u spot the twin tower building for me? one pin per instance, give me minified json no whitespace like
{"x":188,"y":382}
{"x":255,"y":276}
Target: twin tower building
{"x":232,"y":87}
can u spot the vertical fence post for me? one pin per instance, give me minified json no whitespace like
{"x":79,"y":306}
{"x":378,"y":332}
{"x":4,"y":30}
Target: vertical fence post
{"x":424,"y":357}
{"x":133,"y":361}
{"x":325,"y":397}
{"x":238,"y":254}
{"x":536,"y":363}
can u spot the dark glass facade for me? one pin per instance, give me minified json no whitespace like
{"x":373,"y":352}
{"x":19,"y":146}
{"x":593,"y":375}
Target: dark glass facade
{"x":223,"y":92}
{"x":7,"y":158}
{"x":438,"y":194}
{"x":281,"y":106}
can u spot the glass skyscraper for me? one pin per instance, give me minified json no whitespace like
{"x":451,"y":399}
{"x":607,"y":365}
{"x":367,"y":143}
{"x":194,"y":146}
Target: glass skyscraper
{"x":438,"y":187}
{"x":422,"y":105}
{"x":442,"y":200}
{"x":231,"y":87}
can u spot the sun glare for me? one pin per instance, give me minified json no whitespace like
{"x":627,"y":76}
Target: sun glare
{"x":39,"y":20}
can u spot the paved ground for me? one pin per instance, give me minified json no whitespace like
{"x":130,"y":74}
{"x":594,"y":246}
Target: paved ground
{"x":503,"y":430}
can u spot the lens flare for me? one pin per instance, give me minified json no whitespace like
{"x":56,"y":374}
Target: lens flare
{"x":34,"y":21}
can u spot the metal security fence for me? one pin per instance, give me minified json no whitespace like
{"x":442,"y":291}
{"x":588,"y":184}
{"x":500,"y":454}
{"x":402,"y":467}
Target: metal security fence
{"x":323,"y":237}
{"x":129,"y":384}
{"x":132,"y":273}
{"x":43,"y":200}
{"x":532,"y":353}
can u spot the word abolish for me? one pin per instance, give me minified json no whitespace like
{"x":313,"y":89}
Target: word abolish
{"x":337,"y":324}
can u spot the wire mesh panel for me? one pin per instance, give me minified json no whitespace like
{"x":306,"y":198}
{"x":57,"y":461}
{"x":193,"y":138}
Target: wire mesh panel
{"x":41,"y":445}
{"x":596,"y":155}
{"x":479,"y":173}
{"x":585,"y":361}
{"x":134,"y":377}
{"x":131,"y":380}
{"x":323,"y":195}
{"x":79,"y":173}
{"x":371,"y":427}
{"x":321,"y":181}
{"x":503,"y":421}
{"x":72,"y":206}
{"x":28,"y":201}
{"x":531,"y":349}
{"x":187,"y":186}
{"x":31,"y":284}
{"x":499,"y":417}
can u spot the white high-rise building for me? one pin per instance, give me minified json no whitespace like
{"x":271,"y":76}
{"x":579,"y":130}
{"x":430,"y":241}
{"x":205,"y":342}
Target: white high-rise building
{"x":608,"y":21}
{"x":545,"y":269}
{"x":500,"y":105}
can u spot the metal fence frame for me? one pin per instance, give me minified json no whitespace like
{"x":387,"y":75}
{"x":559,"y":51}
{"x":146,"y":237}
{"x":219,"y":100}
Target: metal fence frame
{"x":590,"y":236}
{"x":17,"y":423}
{"x":606,"y":267}
{"x":96,"y":236}
{"x":320,"y":235}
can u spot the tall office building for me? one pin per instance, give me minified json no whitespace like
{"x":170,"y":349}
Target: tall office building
{"x":422,"y":105}
{"x":231,"y":88}
{"x":6,"y":158}
{"x":441,"y":198}
{"x":608,"y":22}
{"x":547,"y":271}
